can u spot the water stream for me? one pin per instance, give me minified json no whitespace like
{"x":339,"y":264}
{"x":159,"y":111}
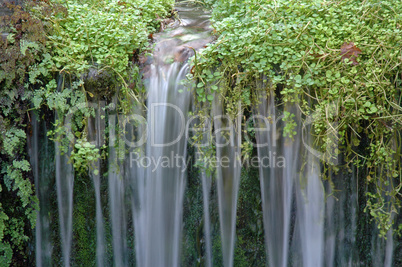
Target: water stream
{"x":96,"y":128}
{"x":277,"y":178}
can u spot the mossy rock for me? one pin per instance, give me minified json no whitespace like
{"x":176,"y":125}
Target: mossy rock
{"x":100,"y":83}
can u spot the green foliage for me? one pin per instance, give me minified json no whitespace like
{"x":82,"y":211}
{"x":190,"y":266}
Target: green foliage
{"x":14,"y":170}
{"x":50,"y":48}
{"x":13,"y":141}
{"x":22,"y":48}
{"x":106,"y":40}
{"x":110,"y":35}
{"x":106,"y":36}
{"x":337,"y":61}
{"x":84,"y":225}
{"x":7,"y":254}
{"x":290,"y":124}
{"x":85,"y":155}
{"x":250,"y":248}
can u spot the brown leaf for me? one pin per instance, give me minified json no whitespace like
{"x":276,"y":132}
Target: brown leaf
{"x":350,"y":51}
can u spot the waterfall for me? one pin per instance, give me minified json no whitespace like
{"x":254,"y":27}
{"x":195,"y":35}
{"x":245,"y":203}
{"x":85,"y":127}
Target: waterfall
{"x":228,"y":141}
{"x":306,"y":221}
{"x":276,"y":178}
{"x":160,"y":172}
{"x":283,"y":170}
{"x":310,"y":210}
{"x":206,"y":182}
{"x":96,"y":128}
{"x":158,"y":167}
{"x":40,"y":157}
{"x":116,"y":196}
{"x":65,"y":184}
{"x":206,"y":189}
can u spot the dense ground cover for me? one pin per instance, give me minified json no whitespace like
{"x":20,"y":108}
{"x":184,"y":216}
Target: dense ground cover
{"x":338,"y":61}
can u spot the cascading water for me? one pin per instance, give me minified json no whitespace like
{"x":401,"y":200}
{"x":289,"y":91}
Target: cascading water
{"x":206,"y":181}
{"x":38,"y":145}
{"x":228,"y":142}
{"x":116,"y":197}
{"x":158,"y":168}
{"x":206,"y":189}
{"x":147,"y":172}
{"x":276,"y":178}
{"x":64,"y":185}
{"x":163,"y":185}
{"x":310,"y":214}
{"x":96,"y":128}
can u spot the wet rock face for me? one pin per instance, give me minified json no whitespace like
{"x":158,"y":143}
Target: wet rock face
{"x":99,"y":83}
{"x":182,"y":53}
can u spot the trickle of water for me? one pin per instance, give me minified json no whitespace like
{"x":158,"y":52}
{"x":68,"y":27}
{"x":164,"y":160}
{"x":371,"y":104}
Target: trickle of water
{"x":40,"y":157}
{"x":96,"y":128}
{"x":228,"y":177}
{"x":116,"y":198}
{"x":206,"y":180}
{"x":310,"y":214}
{"x":65,"y":184}
{"x":278,"y":170}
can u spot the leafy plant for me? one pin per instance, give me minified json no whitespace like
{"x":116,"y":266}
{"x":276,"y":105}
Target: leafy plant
{"x":49,"y":52}
{"x":84,"y":156}
{"x":343,"y":74}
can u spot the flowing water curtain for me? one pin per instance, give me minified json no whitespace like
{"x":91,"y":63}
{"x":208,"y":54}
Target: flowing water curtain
{"x":96,"y":129}
{"x":136,"y":137}
{"x":202,"y":140}
{"x":310,"y":202}
{"x":278,"y":169}
{"x":206,"y":180}
{"x":206,"y":190}
{"x":158,"y":170}
{"x":228,"y":170}
{"x":65,"y":187}
{"x":40,"y":157}
{"x":116,"y":186}
{"x":310,"y":214}
{"x":282,"y":144}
